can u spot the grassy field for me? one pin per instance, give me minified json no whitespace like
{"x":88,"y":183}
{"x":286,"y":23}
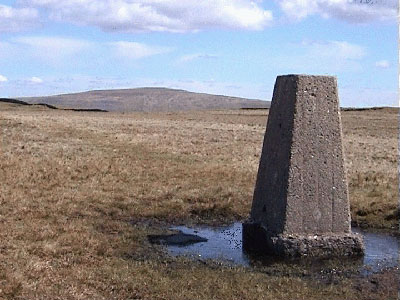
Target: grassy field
{"x":80,"y":192}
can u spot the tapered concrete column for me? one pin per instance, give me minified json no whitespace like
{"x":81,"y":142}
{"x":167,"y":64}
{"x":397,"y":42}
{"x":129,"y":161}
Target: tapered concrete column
{"x":301,"y":203}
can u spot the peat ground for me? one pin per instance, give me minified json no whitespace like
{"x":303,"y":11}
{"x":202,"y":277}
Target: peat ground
{"x":81,"y":191}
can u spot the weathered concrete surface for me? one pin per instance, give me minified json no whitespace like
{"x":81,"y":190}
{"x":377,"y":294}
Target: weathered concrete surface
{"x":257,"y":239}
{"x":301,"y":189}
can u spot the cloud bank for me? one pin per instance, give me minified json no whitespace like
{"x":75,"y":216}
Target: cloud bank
{"x":353,"y":11}
{"x":185,"y":16}
{"x":17,"y":19}
{"x":156,"y":15}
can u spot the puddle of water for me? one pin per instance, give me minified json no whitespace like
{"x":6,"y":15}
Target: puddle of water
{"x":225,"y":243}
{"x":382,"y":250}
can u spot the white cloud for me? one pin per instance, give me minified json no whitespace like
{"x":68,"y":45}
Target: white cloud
{"x":17,"y":19}
{"x":133,"y":50}
{"x":320,"y":57}
{"x":191,"y":57}
{"x":36,"y":80}
{"x":63,"y":52}
{"x":339,"y":50}
{"x":157,"y":15}
{"x":3,"y":78}
{"x":53,"y":45}
{"x":50,"y":49}
{"x":384,"y":64}
{"x":354,"y":11}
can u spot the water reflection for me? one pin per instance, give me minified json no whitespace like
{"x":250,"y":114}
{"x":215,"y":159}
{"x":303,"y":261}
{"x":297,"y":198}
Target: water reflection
{"x":225,"y":243}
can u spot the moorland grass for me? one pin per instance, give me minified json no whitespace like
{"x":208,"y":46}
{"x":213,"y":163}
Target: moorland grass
{"x":81,"y":191}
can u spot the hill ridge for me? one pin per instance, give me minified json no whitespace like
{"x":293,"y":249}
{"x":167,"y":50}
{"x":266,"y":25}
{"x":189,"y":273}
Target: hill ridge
{"x":146,"y":99}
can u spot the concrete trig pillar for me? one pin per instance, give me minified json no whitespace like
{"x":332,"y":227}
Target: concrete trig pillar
{"x":301,"y":204}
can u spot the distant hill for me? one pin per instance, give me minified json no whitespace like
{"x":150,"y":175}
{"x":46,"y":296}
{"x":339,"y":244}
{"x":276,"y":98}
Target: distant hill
{"x":146,"y":99}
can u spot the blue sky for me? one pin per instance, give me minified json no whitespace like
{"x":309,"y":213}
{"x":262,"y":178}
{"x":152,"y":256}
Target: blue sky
{"x":234,"y":47}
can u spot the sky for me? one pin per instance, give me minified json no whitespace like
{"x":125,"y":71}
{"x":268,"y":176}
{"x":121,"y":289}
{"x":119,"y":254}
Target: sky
{"x":226,"y":47}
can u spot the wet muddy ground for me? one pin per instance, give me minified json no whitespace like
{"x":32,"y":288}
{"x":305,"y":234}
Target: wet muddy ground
{"x":224,"y":244}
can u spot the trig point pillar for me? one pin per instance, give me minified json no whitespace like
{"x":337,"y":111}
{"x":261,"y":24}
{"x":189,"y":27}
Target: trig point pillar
{"x":301,"y":204}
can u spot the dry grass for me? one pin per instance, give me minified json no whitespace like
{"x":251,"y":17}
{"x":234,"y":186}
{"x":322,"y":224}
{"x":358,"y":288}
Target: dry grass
{"x":371,"y":146}
{"x":78,"y":188}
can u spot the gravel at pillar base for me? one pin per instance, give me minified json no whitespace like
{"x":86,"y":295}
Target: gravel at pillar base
{"x":301,"y":204}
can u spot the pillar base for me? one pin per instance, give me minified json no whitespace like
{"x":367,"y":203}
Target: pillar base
{"x":257,"y":239}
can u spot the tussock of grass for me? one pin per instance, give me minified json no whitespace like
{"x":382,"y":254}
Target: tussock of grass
{"x":72,"y":184}
{"x":371,"y":151}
